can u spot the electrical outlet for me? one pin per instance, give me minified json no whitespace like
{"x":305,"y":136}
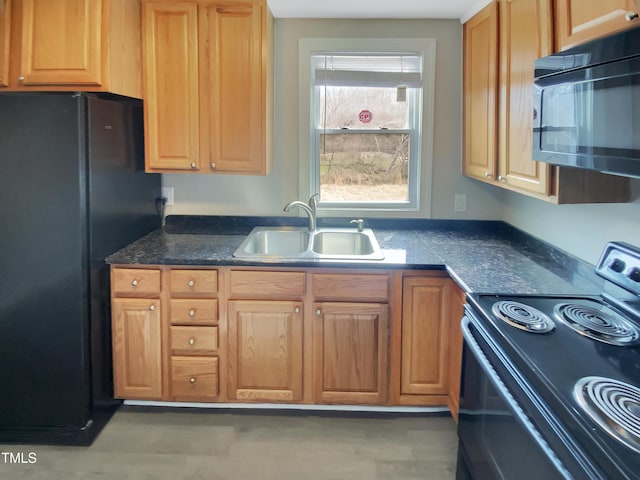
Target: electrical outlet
{"x":460,"y":203}
{"x":167,"y":192}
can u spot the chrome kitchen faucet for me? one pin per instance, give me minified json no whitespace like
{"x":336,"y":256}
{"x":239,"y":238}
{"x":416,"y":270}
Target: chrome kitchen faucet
{"x":309,"y":208}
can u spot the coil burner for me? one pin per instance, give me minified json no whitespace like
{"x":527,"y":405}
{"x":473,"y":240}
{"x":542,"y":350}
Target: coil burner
{"x":613,"y":405}
{"x":523,"y":316}
{"x":603,"y":324}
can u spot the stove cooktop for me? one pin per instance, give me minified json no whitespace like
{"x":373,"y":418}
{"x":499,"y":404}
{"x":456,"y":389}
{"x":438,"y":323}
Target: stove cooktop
{"x":580,"y":355}
{"x":558,"y":360}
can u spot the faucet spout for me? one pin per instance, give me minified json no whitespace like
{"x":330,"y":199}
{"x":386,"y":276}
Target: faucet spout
{"x":307,"y":209}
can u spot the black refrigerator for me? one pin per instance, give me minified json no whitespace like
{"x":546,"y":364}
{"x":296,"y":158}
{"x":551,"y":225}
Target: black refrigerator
{"x":72,"y":191}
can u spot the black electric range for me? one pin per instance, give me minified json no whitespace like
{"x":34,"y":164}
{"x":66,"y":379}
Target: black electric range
{"x":565,"y":369}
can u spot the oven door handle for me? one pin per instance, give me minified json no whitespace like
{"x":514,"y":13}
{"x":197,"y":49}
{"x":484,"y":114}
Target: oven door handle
{"x":502,"y":390}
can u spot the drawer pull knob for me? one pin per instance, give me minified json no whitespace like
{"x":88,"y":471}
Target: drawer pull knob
{"x":191,"y":283}
{"x":193,"y":165}
{"x":21,"y":78}
{"x":630,"y":16}
{"x":192,"y":313}
{"x":192,"y":380}
{"x":192,"y":341}
{"x":152,"y":307}
{"x":297,"y":310}
{"x":318,"y":312}
{"x":134,"y":283}
{"x":213,"y":165}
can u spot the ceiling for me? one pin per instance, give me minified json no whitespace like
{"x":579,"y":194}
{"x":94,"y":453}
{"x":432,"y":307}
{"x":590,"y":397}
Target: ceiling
{"x":460,"y":9}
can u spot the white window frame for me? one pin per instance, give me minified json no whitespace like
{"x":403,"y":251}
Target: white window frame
{"x":420,"y":166}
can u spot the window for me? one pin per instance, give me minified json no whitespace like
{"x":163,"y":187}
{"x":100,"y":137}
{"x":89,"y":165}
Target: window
{"x":366,"y":112}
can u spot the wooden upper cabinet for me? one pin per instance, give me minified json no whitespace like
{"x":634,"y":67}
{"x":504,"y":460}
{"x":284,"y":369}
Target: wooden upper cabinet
{"x":61,"y":42}
{"x":208,"y":86}
{"x":501,"y":43}
{"x":237,"y":91}
{"x":88,"y":45}
{"x":480,"y":77}
{"x":5,"y":37}
{"x":526,"y":33}
{"x":580,"y":20}
{"x":170,"y":74}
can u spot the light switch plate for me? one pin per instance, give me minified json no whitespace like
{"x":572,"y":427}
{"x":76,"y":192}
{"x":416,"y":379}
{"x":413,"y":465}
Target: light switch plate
{"x":460,"y":203}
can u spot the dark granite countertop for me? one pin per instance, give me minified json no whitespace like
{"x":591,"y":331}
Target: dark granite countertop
{"x":482,"y":256}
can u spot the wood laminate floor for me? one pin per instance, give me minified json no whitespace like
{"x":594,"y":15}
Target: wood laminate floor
{"x":177,"y":444}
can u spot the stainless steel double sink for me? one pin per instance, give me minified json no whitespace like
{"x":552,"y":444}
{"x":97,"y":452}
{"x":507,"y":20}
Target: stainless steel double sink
{"x":273,"y":243}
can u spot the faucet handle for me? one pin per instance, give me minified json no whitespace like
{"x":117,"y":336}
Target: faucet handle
{"x":359,"y":222}
{"x":313,"y":201}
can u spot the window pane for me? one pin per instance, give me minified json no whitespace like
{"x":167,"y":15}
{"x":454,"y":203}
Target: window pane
{"x":364,"y":167}
{"x":341,"y":107}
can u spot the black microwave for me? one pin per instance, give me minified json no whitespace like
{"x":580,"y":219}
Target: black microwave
{"x":587,"y":106}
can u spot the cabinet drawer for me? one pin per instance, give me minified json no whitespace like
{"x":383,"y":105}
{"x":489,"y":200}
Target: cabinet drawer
{"x":194,"y":340}
{"x":194,"y":281}
{"x":194,"y":378}
{"x":194,"y":312}
{"x":260,"y":284}
{"x":135,"y":280}
{"x":351,"y":287}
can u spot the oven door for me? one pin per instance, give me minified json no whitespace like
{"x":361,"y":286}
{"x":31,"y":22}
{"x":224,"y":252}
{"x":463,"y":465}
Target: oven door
{"x":496,"y":437}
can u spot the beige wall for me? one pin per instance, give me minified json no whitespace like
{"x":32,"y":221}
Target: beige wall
{"x":240,"y":195}
{"x":582,"y":230}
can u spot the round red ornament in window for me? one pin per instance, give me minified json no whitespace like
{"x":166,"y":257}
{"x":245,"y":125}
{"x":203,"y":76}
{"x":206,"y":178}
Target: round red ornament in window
{"x":365,"y":116}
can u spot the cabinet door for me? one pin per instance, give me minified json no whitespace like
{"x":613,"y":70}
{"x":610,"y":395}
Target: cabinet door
{"x":5,"y":35}
{"x":265,"y":350}
{"x":61,"y":42}
{"x":425,"y":336}
{"x":235,"y":128}
{"x":170,"y":79}
{"x":580,"y":20}
{"x":137,"y":359}
{"x":350,"y":352}
{"x":525,"y":34}
{"x":480,"y":93}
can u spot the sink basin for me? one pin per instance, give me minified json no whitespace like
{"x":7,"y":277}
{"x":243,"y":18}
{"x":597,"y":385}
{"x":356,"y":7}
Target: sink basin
{"x":273,"y":243}
{"x":342,"y":243}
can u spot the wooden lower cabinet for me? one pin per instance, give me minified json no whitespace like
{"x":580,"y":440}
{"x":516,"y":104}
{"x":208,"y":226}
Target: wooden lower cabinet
{"x":193,"y":334}
{"x":425,"y":336}
{"x":137,"y":353}
{"x":265,"y":343}
{"x":457,"y":301}
{"x":194,"y":378}
{"x":350,"y":352}
{"x":314,"y":336}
